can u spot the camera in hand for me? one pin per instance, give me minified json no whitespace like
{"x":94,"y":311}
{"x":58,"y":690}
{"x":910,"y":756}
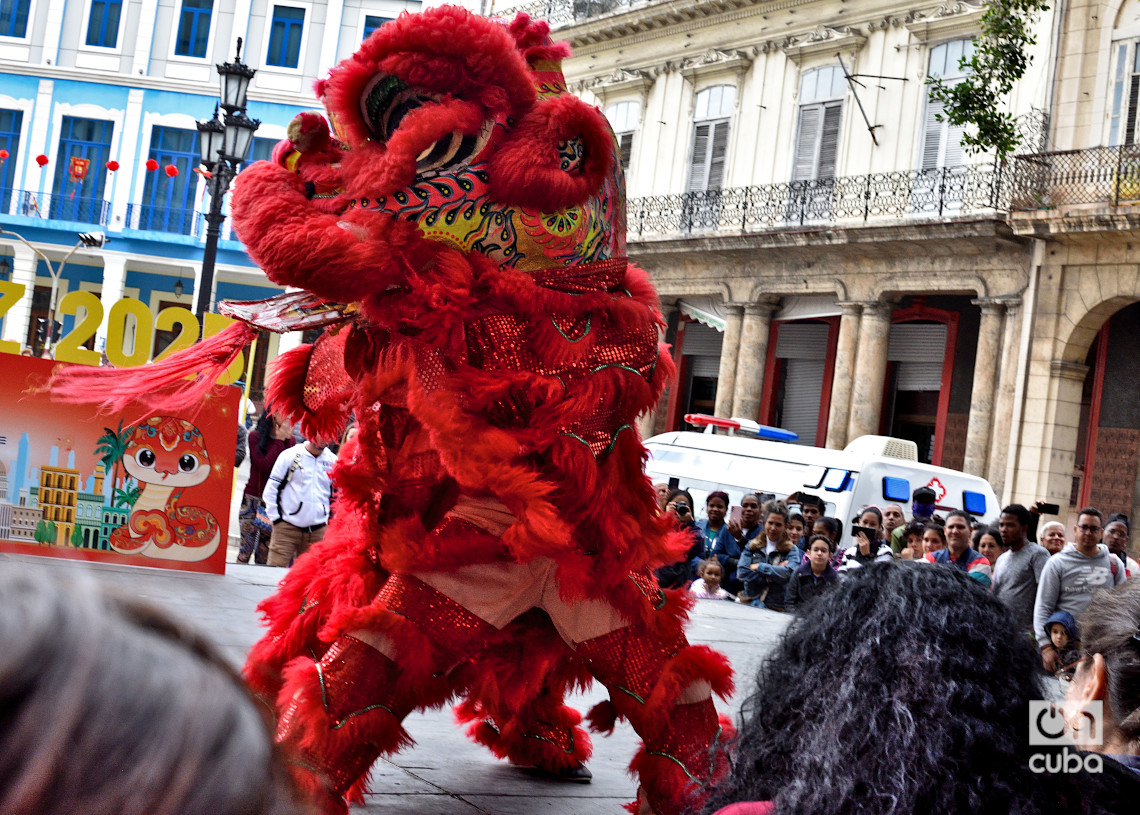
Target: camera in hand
{"x":865,"y":530}
{"x":681,"y":508}
{"x":1049,"y":509}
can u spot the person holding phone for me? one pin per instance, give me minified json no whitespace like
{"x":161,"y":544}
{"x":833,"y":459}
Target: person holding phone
{"x":678,"y":505}
{"x":869,"y":544}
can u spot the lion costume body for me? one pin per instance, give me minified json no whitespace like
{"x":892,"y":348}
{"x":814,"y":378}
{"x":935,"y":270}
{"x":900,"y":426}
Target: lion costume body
{"x":495,"y":350}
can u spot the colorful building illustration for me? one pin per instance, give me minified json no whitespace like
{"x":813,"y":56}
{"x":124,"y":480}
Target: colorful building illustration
{"x":24,"y":522}
{"x":58,"y":497}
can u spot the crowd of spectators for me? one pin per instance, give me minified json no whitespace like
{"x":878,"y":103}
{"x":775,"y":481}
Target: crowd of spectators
{"x":780,"y":555}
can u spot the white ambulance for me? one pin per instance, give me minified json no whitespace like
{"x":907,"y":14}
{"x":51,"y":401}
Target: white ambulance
{"x":742,"y":458}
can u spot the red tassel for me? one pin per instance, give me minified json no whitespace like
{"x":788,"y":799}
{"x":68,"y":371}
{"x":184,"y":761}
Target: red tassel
{"x":150,"y":385}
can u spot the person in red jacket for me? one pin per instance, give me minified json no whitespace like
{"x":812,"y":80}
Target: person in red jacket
{"x":266,"y":441}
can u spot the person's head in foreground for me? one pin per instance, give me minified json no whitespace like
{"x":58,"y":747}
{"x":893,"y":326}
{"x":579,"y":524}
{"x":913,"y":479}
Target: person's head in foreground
{"x":1109,"y":668}
{"x":107,"y":707}
{"x":891,"y":694}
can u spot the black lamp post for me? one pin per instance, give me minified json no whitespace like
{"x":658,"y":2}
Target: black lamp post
{"x":223,"y":144}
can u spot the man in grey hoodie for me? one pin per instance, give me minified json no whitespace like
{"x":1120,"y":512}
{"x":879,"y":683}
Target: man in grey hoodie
{"x":1070,"y":578}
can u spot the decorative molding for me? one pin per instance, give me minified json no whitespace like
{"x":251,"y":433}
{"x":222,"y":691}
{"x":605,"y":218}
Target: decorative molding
{"x":1063,"y":369}
{"x":948,"y":20}
{"x":823,"y":40}
{"x":620,"y":81}
{"x":716,"y":61}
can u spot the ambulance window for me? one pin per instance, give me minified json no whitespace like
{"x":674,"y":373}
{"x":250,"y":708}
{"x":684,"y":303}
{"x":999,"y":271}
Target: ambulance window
{"x":974,"y":502}
{"x":896,"y":489}
{"x":813,"y":475}
{"x":835,"y":480}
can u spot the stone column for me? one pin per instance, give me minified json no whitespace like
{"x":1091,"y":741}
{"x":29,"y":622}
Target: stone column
{"x":751,"y":359}
{"x":1003,"y":404}
{"x":114,"y":281}
{"x":870,"y":370}
{"x":23,"y":271}
{"x":840,"y":411}
{"x":982,"y":395}
{"x":729,"y":350}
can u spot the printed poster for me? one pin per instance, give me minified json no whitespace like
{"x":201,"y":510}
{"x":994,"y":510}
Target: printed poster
{"x":138,"y":488}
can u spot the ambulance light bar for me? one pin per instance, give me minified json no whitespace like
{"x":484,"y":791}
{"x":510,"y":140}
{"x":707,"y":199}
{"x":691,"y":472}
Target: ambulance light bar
{"x":743,"y":427}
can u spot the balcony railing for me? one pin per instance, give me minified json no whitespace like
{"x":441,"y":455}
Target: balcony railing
{"x":919,"y":194}
{"x":56,"y":206}
{"x":564,"y":12}
{"x":1099,"y":175}
{"x":163,"y":219}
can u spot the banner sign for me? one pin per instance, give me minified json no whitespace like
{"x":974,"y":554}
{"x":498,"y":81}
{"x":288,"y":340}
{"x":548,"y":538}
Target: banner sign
{"x":137,"y":488}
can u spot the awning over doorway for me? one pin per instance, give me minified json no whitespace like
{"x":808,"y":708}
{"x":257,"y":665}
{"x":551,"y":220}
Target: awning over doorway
{"x":706,"y":310}
{"x":808,"y":307}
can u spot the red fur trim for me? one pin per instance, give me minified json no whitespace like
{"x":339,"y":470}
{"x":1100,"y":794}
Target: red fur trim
{"x":526,"y":169}
{"x":114,"y":389}
{"x":532,"y":38}
{"x":443,"y":50}
{"x":603,"y":717}
{"x":285,"y":390}
{"x":694,"y":663}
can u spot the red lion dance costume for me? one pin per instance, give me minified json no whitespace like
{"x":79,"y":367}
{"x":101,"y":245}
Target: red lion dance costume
{"x":466,"y":234}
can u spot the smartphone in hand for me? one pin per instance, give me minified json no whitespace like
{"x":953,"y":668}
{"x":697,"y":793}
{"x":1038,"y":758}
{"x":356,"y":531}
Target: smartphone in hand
{"x":734,"y":514}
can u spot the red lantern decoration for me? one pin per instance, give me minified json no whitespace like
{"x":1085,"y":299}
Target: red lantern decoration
{"x":151,"y":165}
{"x":3,"y":155}
{"x":41,"y":159}
{"x":171,"y":170}
{"x":112,"y":165}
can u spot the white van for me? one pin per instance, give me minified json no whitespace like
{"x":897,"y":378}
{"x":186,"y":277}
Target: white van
{"x":870,"y":470}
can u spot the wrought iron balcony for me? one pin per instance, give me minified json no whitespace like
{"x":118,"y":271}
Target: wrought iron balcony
{"x":1108,"y":176}
{"x":565,"y":12}
{"x":849,"y":200}
{"x":163,"y":219}
{"x":55,"y":206}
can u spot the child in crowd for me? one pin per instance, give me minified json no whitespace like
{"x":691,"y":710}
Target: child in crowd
{"x":1061,"y":629}
{"x":815,"y":576}
{"x":912,"y":534}
{"x":707,"y":584}
{"x":796,"y":529}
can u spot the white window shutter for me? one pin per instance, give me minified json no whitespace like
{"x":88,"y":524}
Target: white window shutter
{"x":1133,"y":101}
{"x":625,"y":149}
{"x":718,"y":155}
{"x":807,"y":142}
{"x":699,"y":168}
{"x":829,"y":140}
{"x":932,"y":135}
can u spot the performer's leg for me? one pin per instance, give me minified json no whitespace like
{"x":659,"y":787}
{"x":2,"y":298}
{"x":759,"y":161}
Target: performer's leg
{"x":664,"y":687}
{"x":514,"y":700}
{"x":283,"y":543}
{"x":339,"y":714}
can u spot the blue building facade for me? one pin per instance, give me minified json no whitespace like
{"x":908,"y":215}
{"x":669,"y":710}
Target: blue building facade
{"x":89,"y":92}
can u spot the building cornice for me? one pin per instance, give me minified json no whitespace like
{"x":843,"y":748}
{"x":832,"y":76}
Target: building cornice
{"x":823,"y":40}
{"x":208,"y":89}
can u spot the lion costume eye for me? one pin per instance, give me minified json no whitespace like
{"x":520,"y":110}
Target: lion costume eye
{"x":385,"y":102}
{"x":188,"y":463}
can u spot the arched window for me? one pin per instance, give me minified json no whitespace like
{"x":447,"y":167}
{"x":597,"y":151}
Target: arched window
{"x":712,"y":116}
{"x":623,"y":118}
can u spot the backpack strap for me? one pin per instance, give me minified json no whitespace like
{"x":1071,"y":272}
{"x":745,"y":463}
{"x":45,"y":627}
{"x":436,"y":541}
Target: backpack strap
{"x":292,"y":469}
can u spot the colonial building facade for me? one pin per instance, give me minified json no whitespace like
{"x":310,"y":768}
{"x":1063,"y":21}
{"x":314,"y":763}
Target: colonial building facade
{"x":832,"y":261}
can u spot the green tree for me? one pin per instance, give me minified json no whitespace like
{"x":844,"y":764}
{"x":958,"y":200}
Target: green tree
{"x":1000,"y":58}
{"x":41,"y":533}
{"x":127,"y":496}
{"x":111,"y":447}
{"x":77,"y":536}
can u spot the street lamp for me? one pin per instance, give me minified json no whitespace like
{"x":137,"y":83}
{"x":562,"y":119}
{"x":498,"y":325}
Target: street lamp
{"x":223,"y":144}
{"x":91,"y":240}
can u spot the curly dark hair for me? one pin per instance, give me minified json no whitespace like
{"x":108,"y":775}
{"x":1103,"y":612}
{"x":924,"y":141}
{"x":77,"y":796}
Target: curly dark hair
{"x":892,"y":694}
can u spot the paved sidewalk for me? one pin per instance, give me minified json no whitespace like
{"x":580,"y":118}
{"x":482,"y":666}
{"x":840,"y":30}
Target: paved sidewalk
{"x":444,"y":773}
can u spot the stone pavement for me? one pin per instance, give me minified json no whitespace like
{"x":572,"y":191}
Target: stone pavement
{"x":444,"y":773}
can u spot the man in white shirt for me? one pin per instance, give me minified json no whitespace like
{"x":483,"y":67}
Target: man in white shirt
{"x":296,"y":498}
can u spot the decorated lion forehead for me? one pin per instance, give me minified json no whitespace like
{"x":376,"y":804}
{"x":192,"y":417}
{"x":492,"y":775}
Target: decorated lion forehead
{"x":464,"y":126}
{"x":169,"y":433}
